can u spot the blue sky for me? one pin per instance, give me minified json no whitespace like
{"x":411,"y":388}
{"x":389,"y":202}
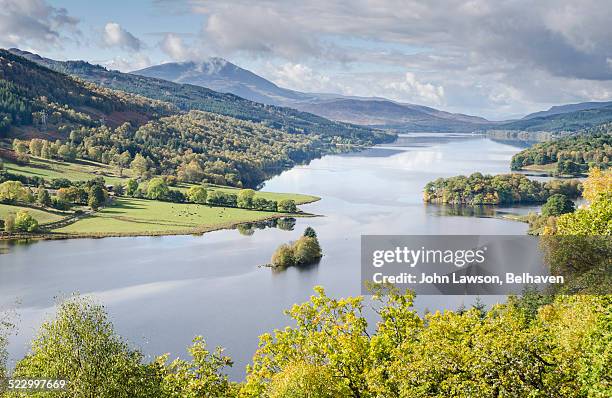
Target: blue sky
{"x":497,"y":59}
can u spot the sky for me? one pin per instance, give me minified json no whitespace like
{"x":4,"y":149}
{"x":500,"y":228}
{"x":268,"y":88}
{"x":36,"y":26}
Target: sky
{"x":494,"y":58}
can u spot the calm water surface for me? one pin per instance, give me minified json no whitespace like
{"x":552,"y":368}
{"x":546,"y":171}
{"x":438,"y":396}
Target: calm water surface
{"x":162,"y":291}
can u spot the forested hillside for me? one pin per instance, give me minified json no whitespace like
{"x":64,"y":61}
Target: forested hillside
{"x":569,"y":121}
{"x":574,"y":154}
{"x":31,"y":95}
{"x":189,"y":97}
{"x":199,"y":146}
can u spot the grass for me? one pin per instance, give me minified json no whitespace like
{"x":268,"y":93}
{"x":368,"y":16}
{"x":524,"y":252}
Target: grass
{"x":147,"y":217}
{"x":546,"y":168}
{"x":278,"y":196}
{"x":78,"y":171}
{"x":40,"y":215}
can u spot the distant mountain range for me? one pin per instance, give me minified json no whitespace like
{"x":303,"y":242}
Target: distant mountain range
{"x":219,"y":86}
{"x":221,"y":75}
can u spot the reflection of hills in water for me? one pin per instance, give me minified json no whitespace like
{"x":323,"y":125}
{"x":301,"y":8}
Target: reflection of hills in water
{"x":481,"y":211}
{"x":424,"y":140}
{"x":515,"y":142}
{"x":462,"y":210}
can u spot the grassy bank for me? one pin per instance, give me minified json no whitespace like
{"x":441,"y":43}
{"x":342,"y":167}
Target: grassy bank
{"x":40,"y":215}
{"x":78,"y":171}
{"x":147,"y":217}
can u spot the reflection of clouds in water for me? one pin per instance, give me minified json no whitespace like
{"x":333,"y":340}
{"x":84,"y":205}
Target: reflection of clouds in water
{"x":115,"y":296}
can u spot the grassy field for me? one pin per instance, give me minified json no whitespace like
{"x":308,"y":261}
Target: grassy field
{"x":81,"y":171}
{"x":545,"y":168}
{"x":40,"y":215}
{"x":278,"y":196}
{"x":146,"y":217}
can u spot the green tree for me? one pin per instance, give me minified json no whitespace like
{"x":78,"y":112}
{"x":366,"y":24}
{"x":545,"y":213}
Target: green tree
{"x":80,"y":345}
{"x":118,"y":189}
{"x":13,"y":191}
{"x":131,"y":187}
{"x":245,"y":198}
{"x":310,"y":232}
{"x":287,"y":206}
{"x":9,"y":223}
{"x":305,"y":380}
{"x":24,"y":222}
{"x":201,"y":377}
{"x":139,"y":165}
{"x":556,"y":205}
{"x":43,"y":197}
{"x":157,"y":189}
{"x":283,"y":256}
{"x":197,"y":194}
{"x":306,"y":250}
{"x":96,"y":196}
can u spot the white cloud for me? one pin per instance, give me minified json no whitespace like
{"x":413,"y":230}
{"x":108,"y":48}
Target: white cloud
{"x":410,"y":87}
{"x":302,"y":78}
{"x":134,"y":62}
{"x":174,"y":47}
{"x":34,"y":23}
{"x":116,"y":36}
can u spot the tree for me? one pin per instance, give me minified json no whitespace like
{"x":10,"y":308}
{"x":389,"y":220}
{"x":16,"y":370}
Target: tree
{"x":24,"y":222}
{"x":283,"y":256}
{"x":201,"y":377}
{"x":597,"y":183}
{"x":287,"y":206}
{"x":131,"y":187}
{"x":43,"y":199}
{"x":310,"y":232}
{"x":197,"y":194}
{"x":20,"y":147}
{"x":305,"y":380}
{"x":96,"y":197}
{"x":306,"y":250}
{"x":80,"y":345}
{"x":66,"y":152}
{"x":556,"y":205}
{"x":245,"y":198}
{"x":9,"y":223}
{"x":13,"y":191}
{"x":139,"y":165}
{"x":118,"y":189}
{"x":157,"y":189}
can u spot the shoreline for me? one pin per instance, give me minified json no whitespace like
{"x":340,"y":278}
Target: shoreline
{"x":191,"y":231}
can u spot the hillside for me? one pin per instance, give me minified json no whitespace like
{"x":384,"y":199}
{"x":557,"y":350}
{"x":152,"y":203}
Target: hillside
{"x":190,"y":97}
{"x":561,"y":109}
{"x":571,"y":155}
{"x":389,"y":114}
{"x":566,"y":120}
{"x":34,"y":99}
{"x":221,"y":75}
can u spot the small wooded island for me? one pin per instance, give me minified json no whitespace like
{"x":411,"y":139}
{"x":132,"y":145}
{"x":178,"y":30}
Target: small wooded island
{"x":479,"y":189}
{"x":304,"y":251}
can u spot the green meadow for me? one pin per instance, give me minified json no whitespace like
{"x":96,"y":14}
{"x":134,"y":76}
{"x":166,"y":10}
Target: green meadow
{"x":130,"y":216}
